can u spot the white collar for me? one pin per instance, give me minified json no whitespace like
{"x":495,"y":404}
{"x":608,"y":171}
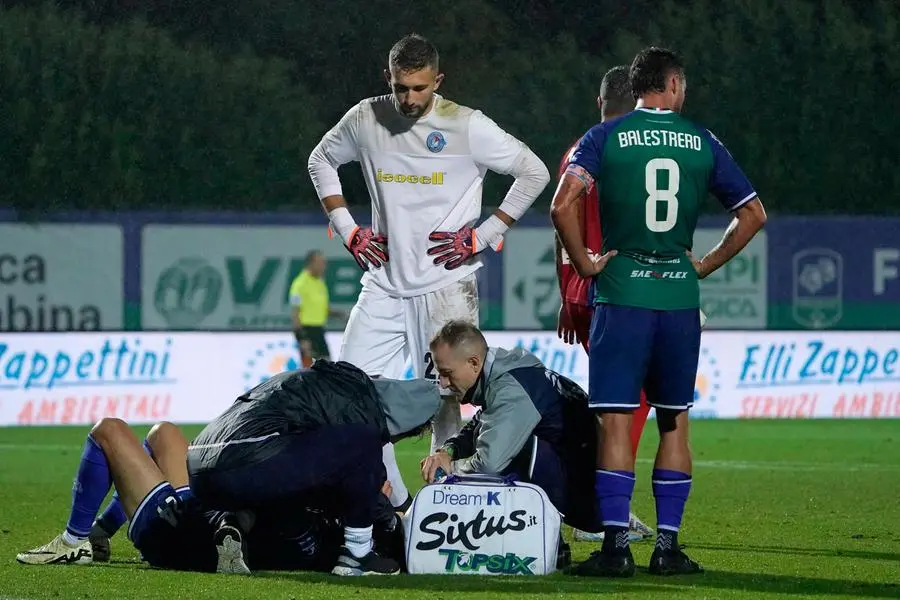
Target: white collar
{"x":656,"y":111}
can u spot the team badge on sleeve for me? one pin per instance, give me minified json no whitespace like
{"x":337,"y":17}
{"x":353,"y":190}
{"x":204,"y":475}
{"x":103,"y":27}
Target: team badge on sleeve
{"x":435,"y":141}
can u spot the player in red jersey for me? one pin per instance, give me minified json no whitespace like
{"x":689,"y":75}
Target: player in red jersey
{"x":577,"y":309}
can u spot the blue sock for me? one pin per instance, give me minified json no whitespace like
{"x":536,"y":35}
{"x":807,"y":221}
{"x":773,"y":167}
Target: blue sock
{"x":671,"y":490}
{"x":614,"y":490}
{"x":113,"y":516}
{"x":91,"y":486}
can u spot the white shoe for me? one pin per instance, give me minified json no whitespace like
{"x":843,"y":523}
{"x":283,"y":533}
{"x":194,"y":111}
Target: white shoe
{"x":587,"y":536}
{"x":230,"y":551}
{"x":57,"y":551}
{"x":637,"y":532}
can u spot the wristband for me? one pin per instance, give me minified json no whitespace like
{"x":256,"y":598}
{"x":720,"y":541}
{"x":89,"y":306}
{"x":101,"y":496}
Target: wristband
{"x":343,"y":223}
{"x":489,"y":233}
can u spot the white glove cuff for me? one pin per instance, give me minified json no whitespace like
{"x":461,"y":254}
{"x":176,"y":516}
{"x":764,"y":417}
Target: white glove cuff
{"x":342,"y":222}
{"x":490,"y":233}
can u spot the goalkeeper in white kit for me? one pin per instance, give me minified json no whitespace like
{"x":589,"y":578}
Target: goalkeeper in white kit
{"x":424,"y":159}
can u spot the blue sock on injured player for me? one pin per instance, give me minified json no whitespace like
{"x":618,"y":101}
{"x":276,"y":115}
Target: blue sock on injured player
{"x":113,"y":516}
{"x":671,"y":490}
{"x":614,"y":490}
{"x":91,"y":486}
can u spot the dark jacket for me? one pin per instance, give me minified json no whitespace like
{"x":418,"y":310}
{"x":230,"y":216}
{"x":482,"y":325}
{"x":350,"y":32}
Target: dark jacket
{"x":327,"y":394}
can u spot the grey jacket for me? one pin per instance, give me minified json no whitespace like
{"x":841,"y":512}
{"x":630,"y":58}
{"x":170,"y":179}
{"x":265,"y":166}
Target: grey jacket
{"x":519,"y":398}
{"x":407,"y":404}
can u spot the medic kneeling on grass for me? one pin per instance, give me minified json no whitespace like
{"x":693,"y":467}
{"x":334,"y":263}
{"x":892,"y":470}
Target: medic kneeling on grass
{"x":533,"y":424}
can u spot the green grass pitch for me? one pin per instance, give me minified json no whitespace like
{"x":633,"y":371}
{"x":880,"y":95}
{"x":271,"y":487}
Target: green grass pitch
{"x":807,"y":509}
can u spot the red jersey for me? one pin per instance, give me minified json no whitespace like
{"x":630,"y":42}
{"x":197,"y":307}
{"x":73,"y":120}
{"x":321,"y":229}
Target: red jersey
{"x":574,"y":288}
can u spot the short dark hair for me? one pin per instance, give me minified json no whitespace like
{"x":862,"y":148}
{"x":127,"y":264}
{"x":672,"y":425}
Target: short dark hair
{"x":460,"y":333}
{"x":412,"y":53}
{"x":615,"y":90}
{"x":311,"y":255}
{"x":650,"y":69}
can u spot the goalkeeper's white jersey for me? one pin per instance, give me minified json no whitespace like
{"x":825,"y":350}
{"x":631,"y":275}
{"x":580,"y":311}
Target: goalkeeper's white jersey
{"x":423,"y":175}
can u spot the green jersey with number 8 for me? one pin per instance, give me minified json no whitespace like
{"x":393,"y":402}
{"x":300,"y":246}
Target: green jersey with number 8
{"x":653,"y":170}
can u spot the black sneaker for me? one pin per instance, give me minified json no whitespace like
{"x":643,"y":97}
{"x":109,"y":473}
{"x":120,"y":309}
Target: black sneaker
{"x":370,"y":564}
{"x":230,"y":549}
{"x":100,"y":545}
{"x":672,"y":562}
{"x":563,"y":556}
{"x":606,"y":564}
{"x":389,"y":542}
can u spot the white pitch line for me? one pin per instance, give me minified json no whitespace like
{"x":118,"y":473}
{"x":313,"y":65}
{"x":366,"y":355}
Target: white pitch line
{"x":787,"y":465}
{"x":39,"y":448}
{"x":758,"y":465}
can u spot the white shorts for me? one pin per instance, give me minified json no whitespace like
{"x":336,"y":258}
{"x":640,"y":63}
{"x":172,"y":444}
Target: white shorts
{"x":384,"y":331}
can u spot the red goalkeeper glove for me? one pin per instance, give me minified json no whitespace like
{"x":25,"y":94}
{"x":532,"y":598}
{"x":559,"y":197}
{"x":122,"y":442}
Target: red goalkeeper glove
{"x":367,"y":248}
{"x":454,"y":248}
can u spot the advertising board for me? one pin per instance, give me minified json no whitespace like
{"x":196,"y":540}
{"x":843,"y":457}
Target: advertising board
{"x":61,"y":277}
{"x":837,"y":273}
{"x":191,"y":377}
{"x":234,"y":278}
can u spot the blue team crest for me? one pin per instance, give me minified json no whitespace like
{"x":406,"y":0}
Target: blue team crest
{"x":818,"y":288}
{"x":435,"y":141}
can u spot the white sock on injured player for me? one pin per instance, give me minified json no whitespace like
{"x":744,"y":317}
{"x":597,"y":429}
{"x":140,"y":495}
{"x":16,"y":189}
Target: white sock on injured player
{"x":447,"y":422}
{"x":358,"y":540}
{"x":399,"y":493}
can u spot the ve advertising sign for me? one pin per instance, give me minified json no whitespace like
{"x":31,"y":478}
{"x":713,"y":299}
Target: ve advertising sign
{"x":233,"y":278}
{"x":207,"y":277}
{"x":56,"y":277}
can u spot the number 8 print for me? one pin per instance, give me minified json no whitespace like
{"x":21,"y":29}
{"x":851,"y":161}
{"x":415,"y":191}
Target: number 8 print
{"x":656,"y":195}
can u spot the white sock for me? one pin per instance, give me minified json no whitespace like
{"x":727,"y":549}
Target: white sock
{"x":399,"y":493}
{"x":447,"y":422}
{"x":358,"y":540}
{"x":72,"y":540}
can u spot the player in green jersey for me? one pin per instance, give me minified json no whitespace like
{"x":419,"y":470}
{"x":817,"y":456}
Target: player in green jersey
{"x":652,"y":169}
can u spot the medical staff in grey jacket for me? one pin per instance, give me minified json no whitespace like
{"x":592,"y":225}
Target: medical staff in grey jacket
{"x":533,"y":422}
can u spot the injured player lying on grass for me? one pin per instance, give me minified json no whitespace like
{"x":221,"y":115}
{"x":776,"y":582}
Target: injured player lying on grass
{"x":166,"y":525}
{"x":169,"y":527}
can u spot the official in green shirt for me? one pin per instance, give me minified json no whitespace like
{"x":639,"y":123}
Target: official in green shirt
{"x":310,"y":309}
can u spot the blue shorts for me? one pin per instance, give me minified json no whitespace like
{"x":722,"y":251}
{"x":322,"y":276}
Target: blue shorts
{"x":170,"y":531}
{"x":633,"y":348}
